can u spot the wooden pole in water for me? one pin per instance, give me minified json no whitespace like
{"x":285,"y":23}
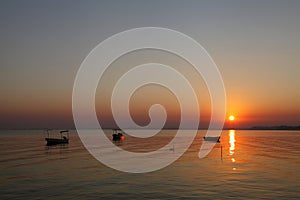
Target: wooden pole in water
{"x":221,"y":152}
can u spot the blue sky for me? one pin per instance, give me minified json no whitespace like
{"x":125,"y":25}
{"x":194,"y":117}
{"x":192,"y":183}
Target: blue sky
{"x":254,"y":43}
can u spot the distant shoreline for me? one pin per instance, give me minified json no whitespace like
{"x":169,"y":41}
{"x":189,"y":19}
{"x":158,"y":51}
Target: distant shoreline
{"x":281,"y":127}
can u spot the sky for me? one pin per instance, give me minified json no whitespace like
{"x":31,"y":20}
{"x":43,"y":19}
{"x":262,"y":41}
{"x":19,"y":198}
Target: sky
{"x":255,"y":45}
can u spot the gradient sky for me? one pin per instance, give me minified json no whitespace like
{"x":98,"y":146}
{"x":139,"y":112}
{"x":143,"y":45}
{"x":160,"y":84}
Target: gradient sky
{"x":255,"y":44}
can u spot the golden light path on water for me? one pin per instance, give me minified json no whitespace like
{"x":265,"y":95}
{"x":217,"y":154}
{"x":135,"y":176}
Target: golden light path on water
{"x":232,"y":145}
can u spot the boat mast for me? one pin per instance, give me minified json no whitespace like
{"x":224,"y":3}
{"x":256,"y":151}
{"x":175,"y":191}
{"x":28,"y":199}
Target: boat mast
{"x":48,"y":133}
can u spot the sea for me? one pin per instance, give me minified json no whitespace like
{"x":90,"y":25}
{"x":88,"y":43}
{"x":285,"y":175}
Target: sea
{"x":246,"y":164}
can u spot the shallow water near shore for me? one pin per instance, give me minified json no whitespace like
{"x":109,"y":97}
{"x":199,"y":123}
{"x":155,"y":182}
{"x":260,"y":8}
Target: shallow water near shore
{"x":244,"y":165}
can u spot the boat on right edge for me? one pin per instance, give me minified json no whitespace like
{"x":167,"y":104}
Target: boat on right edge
{"x":212,"y":139}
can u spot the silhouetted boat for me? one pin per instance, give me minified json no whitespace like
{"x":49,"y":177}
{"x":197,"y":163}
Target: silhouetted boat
{"x":117,"y":135}
{"x":212,"y":139}
{"x":54,"y":141}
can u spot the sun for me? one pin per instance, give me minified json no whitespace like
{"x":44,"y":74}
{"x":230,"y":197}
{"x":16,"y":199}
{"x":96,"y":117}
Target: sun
{"x":231,"y":118}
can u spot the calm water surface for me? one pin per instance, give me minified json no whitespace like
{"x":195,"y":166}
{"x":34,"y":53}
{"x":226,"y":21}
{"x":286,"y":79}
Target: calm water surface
{"x":254,"y":165}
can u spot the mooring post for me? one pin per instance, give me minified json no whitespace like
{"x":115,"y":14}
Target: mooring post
{"x":221,"y":152}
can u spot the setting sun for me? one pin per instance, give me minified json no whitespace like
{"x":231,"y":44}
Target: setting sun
{"x":231,"y":118}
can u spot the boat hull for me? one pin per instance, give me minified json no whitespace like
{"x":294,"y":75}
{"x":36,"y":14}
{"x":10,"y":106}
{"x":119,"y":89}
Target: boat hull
{"x":212,"y":139}
{"x":55,"y":141}
{"x":117,"y":137}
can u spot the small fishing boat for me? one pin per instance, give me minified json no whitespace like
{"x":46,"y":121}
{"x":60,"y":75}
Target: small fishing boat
{"x":54,"y":141}
{"x":117,"y":135}
{"x":212,"y":139}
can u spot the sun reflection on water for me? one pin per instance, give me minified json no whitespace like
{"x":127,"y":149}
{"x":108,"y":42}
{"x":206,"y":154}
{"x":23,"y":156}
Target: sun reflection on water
{"x":232,"y":146}
{"x":231,"y":142}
